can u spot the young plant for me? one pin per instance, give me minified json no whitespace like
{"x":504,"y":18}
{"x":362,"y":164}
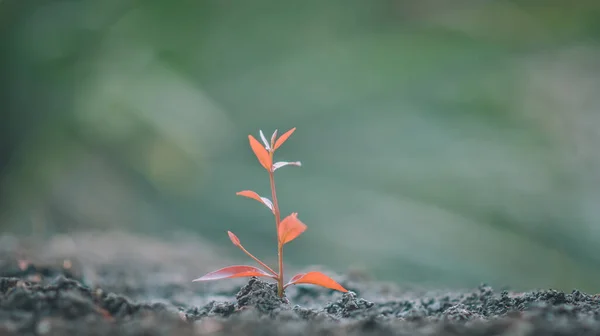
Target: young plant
{"x":288,"y":229}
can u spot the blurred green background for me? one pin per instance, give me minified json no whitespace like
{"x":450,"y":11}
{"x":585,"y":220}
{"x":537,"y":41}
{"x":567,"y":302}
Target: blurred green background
{"x":443,"y":142}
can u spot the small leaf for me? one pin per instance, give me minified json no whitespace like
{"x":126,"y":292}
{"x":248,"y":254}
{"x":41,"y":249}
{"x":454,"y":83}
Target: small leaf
{"x":264,"y":140}
{"x":261,"y":153}
{"x":290,"y":228}
{"x":283,"y":138}
{"x":253,"y":195}
{"x":234,"y":272}
{"x":280,"y":164}
{"x":316,"y":278}
{"x":234,"y":239}
{"x":273,"y":138}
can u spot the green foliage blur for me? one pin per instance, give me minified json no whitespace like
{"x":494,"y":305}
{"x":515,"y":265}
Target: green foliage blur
{"x":443,"y":142}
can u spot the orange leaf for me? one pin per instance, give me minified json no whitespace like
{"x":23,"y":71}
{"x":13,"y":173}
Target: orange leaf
{"x":316,"y":278}
{"x":290,"y":228}
{"x":234,"y":239}
{"x":253,"y":195}
{"x":249,"y":194}
{"x":283,"y":138}
{"x":235,"y":272}
{"x":260,"y":152}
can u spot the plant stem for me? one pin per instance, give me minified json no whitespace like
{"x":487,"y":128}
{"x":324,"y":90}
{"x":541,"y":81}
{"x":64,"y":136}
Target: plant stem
{"x":258,"y":260}
{"x":274,"y":197}
{"x":280,"y":278}
{"x":277,"y":222}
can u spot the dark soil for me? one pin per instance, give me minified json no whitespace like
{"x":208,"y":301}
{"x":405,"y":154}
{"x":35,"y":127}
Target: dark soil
{"x":117,"y":284}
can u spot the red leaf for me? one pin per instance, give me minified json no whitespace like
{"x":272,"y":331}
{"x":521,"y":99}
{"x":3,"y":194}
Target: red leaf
{"x":235,"y":272}
{"x":290,"y":228}
{"x":253,"y":195}
{"x":234,"y":239}
{"x":316,"y":278}
{"x":261,"y":153}
{"x":283,"y":138}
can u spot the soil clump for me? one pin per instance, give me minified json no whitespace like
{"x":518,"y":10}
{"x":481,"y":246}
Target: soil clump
{"x":68,"y":286}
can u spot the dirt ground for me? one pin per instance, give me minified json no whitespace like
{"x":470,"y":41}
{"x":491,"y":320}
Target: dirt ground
{"x":119,"y":284}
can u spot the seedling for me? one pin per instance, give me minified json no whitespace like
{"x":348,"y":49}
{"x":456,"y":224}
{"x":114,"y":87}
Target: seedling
{"x":288,"y":229}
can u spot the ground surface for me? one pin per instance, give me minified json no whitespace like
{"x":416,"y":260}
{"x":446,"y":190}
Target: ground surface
{"x":116,"y":284}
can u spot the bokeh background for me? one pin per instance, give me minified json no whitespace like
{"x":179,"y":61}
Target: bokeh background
{"x":443,"y":142}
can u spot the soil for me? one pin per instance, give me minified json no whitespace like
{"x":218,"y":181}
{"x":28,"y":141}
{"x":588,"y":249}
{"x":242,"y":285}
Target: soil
{"x":119,"y":284}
